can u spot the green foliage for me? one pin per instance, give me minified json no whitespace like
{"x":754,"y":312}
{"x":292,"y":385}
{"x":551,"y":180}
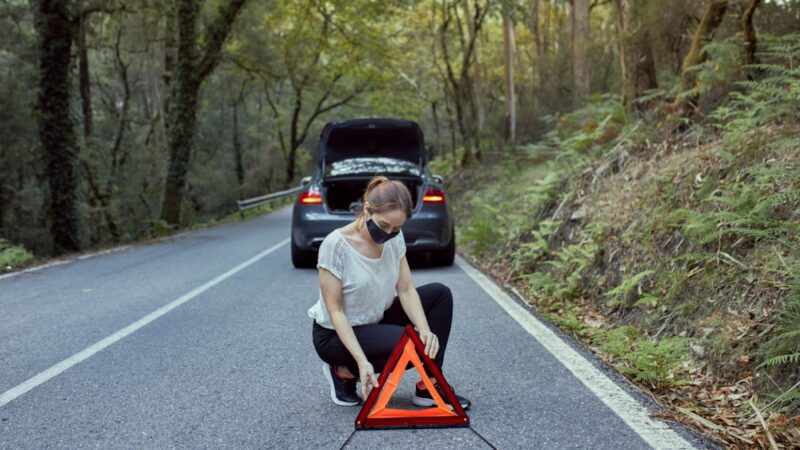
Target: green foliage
{"x":774,"y":95}
{"x":781,"y":352}
{"x":792,"y":358}
{"x":482,"y":230}
{"x":749,"y":209}
{"x":652,"y":362}
{"x":584,"y":132}
{"x":567,"y":268}
{"x":12,"y":256}
{"x":619,"y":294}
{"x":160,"y":228}
{"x":445,"y":164}
{"x":532,"y":250}
{"x":722,"y":67}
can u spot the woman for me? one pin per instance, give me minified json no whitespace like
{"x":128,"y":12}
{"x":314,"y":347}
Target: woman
{"x":358,"y":319}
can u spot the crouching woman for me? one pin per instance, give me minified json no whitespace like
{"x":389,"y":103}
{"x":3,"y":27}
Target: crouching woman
{"x":358,"y":319}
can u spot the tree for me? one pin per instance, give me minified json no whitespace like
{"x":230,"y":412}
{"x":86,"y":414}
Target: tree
{"x":537,"y":42}
{"x":476,"y":87}
{"x":192,"y":68}
{"x":508,"y":91}
{"x":579,"y":17}
{"x":712,"y":18}
{"x":637,"y":62}
{"x":56,"y":128}
{"x":311,"y":58}
{"x":458,"y":80}
{"x":749,"y":31}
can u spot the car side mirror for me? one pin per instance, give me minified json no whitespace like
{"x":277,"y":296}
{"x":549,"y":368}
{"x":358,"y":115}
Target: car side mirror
{"x":438,"y":178}
{"x":304,"y":181}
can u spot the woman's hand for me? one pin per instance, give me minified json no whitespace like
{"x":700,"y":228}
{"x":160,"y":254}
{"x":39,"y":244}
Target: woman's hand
{"x":368,"y":379}
{"x":431,"y":343}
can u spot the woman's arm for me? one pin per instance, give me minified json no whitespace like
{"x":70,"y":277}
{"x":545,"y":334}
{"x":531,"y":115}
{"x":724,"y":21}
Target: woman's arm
{"x":332,"y":296}
{"x":409,"y":300}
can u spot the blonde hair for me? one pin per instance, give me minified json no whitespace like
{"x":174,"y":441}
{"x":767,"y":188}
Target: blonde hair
{"x":385,"y":195}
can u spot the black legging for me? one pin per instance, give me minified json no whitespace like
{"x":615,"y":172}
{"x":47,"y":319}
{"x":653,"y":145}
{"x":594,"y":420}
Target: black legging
{"x":378,"y":340}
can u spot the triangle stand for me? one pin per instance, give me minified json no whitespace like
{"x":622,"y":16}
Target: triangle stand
{"x":376,"y":415}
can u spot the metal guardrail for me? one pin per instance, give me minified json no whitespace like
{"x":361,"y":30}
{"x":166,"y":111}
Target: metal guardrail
{"x":258,"y":201}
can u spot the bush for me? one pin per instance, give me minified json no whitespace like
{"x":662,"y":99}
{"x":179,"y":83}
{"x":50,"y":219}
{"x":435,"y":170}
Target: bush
{"x":12,"y":256}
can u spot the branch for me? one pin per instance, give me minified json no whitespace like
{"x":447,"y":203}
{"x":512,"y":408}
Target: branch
{"x":215,"y":36}
{"x":445,"y":53}
{"x":258,"y":72}
{"x":100,"y":6}
{"x":598,"y":3}
{"x":276,"y":114}
{"x":480,"y":15}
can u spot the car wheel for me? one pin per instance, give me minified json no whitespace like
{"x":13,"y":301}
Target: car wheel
{"x":303,"y":259}
{"x":446,"y":256}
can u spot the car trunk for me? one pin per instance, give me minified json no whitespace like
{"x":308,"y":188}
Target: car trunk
{"x":343,"y":193}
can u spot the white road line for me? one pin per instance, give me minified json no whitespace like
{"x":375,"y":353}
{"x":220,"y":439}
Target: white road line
{"x":98,"y":346}
{"x":658,"y":434}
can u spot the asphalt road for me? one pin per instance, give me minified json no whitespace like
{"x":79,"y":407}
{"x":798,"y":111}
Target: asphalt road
{"x":217,"y":353}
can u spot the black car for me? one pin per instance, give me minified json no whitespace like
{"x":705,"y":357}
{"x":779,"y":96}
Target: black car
{"x":352,"y":152}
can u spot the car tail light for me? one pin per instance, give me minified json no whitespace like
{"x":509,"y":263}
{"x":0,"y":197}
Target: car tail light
{"x":310,"y":198}
{"x":433,"y":196}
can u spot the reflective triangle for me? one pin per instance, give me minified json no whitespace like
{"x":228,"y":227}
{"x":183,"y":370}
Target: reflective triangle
{"x":376,"y":414}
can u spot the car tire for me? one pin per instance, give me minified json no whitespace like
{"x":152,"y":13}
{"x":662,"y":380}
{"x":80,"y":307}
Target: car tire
{"x":446,"y":256}
{"x":303,"y":259}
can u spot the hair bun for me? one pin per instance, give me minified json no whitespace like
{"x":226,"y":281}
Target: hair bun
{"x":374,"y":182}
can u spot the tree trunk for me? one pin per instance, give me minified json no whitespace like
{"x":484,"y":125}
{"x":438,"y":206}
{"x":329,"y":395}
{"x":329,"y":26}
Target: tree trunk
{"x":436,"y":128}
{"x":749,"y":32}
{"x":476,"y":87}
{"x":637,"y":62}
{"x":56,"y":130}
{"x":511,"y":113}
{"x":192,"y":69}
{"x":451,"y":125}
{"x":704,"y":34}
{"x":170,"y":23}
{"x":579,"y":15}
{"x":537,"y":41}
{"x":237,"y":147}
{"x":84,"y":82}
{"x":182,"y":110}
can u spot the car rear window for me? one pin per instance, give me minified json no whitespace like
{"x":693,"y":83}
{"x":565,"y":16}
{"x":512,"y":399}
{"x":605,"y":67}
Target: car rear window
{"x":371,"y":166}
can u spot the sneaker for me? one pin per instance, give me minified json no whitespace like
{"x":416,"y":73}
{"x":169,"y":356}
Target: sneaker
{"x":343,"y":390}
{"x":422,"y":397}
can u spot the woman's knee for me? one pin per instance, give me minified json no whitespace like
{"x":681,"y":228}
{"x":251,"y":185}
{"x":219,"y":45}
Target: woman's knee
{"x":443,"y":293}
{"x":436,"y":297}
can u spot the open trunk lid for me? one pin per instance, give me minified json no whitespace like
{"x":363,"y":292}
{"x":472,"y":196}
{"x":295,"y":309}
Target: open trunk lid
{"x":398,"y":140}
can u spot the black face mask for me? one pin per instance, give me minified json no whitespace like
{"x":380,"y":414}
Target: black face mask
{"x":377,"y":234}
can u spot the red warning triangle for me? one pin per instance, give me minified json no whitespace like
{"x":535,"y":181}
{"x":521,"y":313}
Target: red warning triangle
{"x":375,"y":414}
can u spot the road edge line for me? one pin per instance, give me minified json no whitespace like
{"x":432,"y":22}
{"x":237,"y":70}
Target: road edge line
{"x":657,"y":434}
{"x":42,"y":377}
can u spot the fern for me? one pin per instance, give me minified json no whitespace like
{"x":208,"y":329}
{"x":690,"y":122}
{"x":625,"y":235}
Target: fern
{"x":647,"y":361}
{"x":775,"y":95}
{"x":781,"y":359}
{"x":619,"y":293}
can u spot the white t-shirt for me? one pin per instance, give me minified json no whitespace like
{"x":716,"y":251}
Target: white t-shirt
{"x":368,"y":284}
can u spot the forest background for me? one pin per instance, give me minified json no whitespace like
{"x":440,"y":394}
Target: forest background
{"x":653,"y":144}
